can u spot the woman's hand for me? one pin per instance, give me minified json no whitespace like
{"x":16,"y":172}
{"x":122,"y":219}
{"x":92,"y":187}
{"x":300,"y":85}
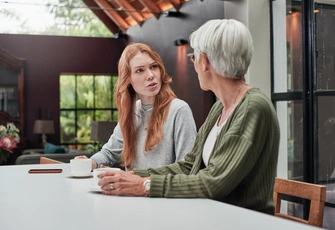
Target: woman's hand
{"x":123,"y":183}
{"x":104,"y":166}
{"x":81,"y":157}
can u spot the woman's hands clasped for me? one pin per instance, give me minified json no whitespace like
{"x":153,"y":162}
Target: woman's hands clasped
{"x":122,"y":183}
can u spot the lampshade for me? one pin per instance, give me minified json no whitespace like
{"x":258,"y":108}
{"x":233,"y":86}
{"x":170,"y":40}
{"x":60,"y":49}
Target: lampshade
{"x":44,"y":127}
{"x":102,"y":130}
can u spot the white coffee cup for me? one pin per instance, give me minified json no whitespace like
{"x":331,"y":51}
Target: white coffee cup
{"x":97,"y":171}
{"x":81,"y":167}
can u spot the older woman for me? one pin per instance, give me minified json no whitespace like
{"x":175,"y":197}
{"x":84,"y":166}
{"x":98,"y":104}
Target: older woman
{"x":154,"y":127}
{"x":234,"y":158}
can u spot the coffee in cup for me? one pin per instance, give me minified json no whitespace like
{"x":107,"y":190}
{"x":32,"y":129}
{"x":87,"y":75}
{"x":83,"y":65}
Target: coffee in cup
{"x":81,"y":167}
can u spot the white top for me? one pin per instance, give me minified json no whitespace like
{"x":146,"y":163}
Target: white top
{"x":58,"y":201}
{"x":210,"y":141}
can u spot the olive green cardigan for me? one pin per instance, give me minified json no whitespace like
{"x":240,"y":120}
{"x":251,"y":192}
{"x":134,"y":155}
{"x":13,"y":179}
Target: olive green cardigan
{"x":242,"y":166}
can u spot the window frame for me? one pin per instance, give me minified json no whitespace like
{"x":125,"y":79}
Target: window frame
{"x":75,"y":143}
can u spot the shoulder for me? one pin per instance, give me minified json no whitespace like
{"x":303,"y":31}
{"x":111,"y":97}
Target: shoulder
{"x":178,"y":104}
{"x":257,"y":109}
{"x":180,"y":111}
{"x":256,"y":93}
{"x":257,"y":101}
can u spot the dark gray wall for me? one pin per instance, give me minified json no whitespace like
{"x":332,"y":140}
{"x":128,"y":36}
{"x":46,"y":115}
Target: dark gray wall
{"x":46,"y":58}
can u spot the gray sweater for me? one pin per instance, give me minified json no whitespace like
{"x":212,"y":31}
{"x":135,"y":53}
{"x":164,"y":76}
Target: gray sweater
{"x":179,"y":135}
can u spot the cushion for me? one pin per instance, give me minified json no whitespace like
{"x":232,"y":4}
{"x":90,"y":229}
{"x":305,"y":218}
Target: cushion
{"x":50,"y":148}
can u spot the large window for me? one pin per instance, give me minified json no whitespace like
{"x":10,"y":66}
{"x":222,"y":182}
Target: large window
{"x":83,"y":99}
{"x":304,"y":94}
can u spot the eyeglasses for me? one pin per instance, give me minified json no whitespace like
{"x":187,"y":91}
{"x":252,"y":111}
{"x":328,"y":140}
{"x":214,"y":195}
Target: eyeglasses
{"x":191,"y":57}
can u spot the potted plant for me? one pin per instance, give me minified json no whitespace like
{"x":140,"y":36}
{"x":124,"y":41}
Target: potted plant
{"x":9,"y":138}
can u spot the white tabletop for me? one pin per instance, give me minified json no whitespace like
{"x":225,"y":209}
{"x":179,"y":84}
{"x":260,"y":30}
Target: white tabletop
{"x":58,"y":201}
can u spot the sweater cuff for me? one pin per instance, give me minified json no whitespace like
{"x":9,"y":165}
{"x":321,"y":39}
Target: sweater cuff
{"x":157,"y":185}
{"x":142,"y":172}
{"x":96,"y":159}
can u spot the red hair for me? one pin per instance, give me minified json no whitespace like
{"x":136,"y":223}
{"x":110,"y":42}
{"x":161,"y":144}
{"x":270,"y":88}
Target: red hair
{"x":126,"y":98}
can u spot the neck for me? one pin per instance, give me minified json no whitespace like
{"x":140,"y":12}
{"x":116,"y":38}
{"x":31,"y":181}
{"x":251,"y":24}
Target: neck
{"x":229,"y":103}
{"x":230,"y":93}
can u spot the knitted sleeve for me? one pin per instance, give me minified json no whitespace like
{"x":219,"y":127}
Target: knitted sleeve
{"x":209,"y":182}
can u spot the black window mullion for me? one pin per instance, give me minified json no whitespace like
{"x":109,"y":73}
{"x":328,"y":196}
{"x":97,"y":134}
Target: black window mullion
{"x":309,"y":109}
{"x":76,"y":109}
{"x":308,"y":38}
{"x":288,"y":96}
{"x":94,"y":108}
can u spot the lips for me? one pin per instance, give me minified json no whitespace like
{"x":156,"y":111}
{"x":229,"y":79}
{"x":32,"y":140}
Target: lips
{"x":151,"y":85}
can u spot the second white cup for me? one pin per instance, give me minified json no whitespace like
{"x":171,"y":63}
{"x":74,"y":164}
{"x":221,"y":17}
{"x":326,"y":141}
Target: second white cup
{"x":97,"y":171}
{"x":81,"y":167}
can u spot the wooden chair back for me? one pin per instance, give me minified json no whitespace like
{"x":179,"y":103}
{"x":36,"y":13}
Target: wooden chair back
{"x":46,"y":160}
{"x":313,"y":192}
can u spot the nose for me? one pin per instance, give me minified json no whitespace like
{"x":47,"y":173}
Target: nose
{"x":150,"y":75}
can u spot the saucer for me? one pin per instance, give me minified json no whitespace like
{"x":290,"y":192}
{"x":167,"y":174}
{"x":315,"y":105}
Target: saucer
{"x":81,"y":175}
{"x":94,"y":188}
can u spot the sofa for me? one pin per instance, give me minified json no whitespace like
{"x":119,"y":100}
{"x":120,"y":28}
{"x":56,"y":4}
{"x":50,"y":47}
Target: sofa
{"x":32,"y":156}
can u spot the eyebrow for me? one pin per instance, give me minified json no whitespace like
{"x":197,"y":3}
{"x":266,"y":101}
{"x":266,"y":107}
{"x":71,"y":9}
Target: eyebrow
{"x":138,"y":66}
{"x":141,"y":66}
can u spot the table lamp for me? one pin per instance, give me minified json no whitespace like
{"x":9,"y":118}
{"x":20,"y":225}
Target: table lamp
{"x":44,"y":127}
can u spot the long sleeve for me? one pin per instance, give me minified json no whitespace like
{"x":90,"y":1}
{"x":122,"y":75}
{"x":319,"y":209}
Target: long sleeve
{"x":110,"y":153}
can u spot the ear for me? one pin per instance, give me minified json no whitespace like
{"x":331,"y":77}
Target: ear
{"x":205,"y":64}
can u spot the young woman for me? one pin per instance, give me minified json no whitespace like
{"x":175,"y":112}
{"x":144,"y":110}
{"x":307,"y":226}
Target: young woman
{"x":154,"y":127}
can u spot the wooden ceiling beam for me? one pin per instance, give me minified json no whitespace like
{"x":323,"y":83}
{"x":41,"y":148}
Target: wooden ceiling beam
{"x":152,"y":7}
{"x":112,"y":14}
{"x":131,"y":11}
{"x":102,"y":16}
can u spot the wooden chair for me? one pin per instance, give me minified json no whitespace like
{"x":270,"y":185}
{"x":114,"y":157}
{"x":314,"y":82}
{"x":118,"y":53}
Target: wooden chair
{"x":313,"y":192}
{"x":46,"y":160}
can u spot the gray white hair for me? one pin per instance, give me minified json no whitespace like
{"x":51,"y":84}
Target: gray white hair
{"x":227,"y":44}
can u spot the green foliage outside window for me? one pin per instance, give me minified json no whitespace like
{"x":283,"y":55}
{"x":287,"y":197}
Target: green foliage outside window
{"x":83,"y":99}
{"x":59,"y":17}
